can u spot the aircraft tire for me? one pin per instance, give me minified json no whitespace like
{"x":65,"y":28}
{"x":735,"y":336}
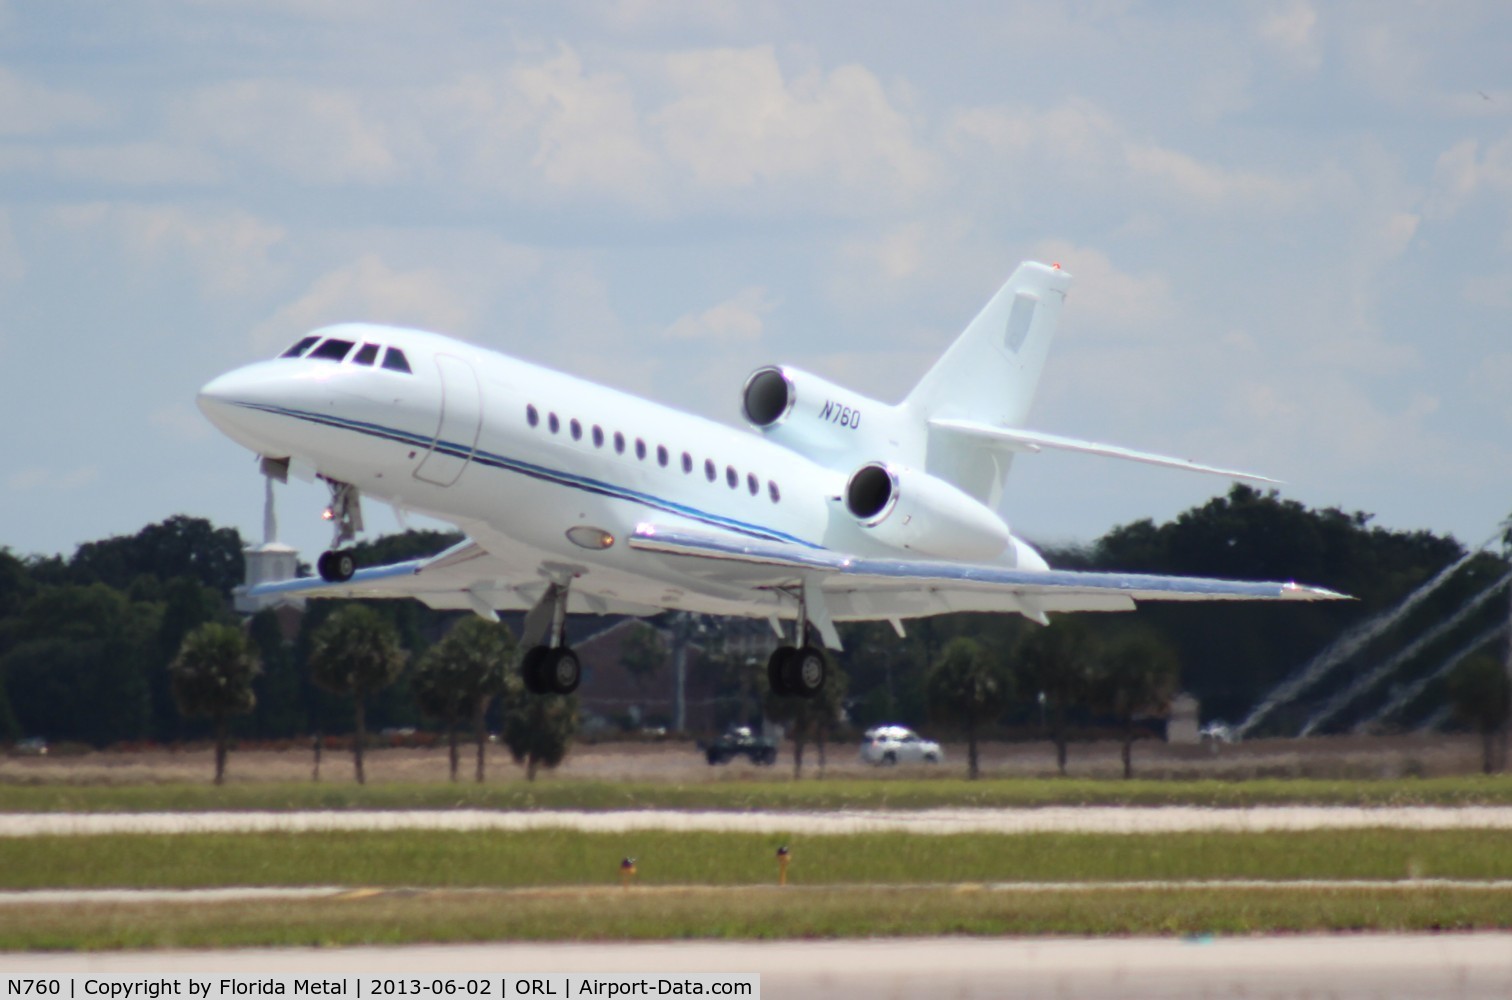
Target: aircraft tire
{"x":530,"y":669}
{"x":805,"y":671}
{"x":336,"y":566}
{"x":561,"y":673}
{"x":777,"y":669}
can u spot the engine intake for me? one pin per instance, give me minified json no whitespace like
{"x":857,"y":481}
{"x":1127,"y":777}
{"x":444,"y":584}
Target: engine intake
{"x":913,"y":510}
{"x":768,"y":397}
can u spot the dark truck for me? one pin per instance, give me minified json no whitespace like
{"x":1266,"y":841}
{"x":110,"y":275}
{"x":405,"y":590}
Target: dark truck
{"x":737,"y":741}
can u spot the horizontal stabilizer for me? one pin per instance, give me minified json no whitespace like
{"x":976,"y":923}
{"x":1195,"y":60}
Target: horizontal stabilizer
{"x":1010,"y":439}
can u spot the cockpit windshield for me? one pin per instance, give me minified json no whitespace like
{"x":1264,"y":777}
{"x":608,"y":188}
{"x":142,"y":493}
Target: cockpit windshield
{"x":332,"y":350}
{"x":299,"y":348}
{"x":314,"y":348}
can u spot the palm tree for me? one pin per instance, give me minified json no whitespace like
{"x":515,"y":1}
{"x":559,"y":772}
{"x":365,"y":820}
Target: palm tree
{"x":212,"y":676}
{"x":1137,"y":674}
{"x":538,"y":729}
{"x":1055,"y":662}
{"x":969,"y":687}
{"x":356,"y":652}
{"x":810,"y":718}
{"x":458,"y":677}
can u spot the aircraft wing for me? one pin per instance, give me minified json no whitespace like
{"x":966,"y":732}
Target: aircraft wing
{"x":465,"y":576}
{"x":859,"y":587}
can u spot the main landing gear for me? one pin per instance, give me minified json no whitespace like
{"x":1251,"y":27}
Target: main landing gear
{"x":336,"y":565}
{"x":550,"y":667}
{"x":798,"y":671}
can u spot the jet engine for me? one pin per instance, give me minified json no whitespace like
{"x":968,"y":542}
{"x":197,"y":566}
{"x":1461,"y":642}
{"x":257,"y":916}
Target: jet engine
{"x":816,"y":418}
{"x":913,"y":510}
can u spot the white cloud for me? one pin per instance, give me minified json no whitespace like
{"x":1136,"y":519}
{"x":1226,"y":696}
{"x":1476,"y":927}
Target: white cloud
{"x":1291,"y":31}
{"x":136,"y":163}
{"x":181,"y":422}
{"x":317,"y":134}
{"x":1110,"y":301}
{"x":230,"y":251}
{"x":46,"y":479}
{"x":368,"y":289}
{"x":738,"y":122}
{"x":30,"y":109}
{"x":739,"y":318}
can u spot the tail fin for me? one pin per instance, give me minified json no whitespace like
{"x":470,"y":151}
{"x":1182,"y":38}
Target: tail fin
{"x":988,"y":378}
{"x":989,"y":374}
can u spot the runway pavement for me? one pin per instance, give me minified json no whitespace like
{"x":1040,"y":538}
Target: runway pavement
{"x":1049,"y":819}
{"x":1346,"y":967}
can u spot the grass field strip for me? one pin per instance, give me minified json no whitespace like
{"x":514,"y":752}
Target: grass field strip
{"x":97,"y":897}
{"x":1048,"y":819}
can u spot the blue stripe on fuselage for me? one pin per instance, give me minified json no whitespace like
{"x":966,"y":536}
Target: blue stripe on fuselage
{"x":542,"y":473}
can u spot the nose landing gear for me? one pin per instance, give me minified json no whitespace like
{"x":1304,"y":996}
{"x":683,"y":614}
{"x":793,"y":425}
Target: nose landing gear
{"x":337,"y":565}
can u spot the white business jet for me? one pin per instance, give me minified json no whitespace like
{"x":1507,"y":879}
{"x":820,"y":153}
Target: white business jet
{"x":580,"y":498}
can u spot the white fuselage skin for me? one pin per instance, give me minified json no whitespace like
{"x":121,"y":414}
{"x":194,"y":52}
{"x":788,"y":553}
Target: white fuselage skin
{"x":454,"y":438}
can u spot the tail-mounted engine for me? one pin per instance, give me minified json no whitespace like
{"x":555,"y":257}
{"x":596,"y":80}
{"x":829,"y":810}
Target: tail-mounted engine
{"x":823,"y":421}
{"x":913,"y":510}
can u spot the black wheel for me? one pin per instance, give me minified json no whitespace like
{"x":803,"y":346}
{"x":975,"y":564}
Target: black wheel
{"x":715,"y":758}
{"x":323,"y":566}
{"x":804,"y":672}
{"x":343,"y":565}
{"x":889,"y":759}
{"x":530,"y":669}
{"x":777,"y":669}
{"x":768,"y":757}
{"x":561,"y":673}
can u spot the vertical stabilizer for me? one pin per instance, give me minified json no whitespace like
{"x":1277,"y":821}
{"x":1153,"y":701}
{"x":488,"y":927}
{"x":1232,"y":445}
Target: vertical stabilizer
{"x":988,"y":377}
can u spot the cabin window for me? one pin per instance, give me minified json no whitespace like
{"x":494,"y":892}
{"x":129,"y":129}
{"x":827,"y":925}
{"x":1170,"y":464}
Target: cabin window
{"x":553,"y":423}
{"x":395,"y":361}
{"x":773,"y":491}
{"x":305,"y":343}
{"x":640,"y":449}
{"x":709,"y":471}
{"x":577,"y":429}
{"x":661,"y":455}
{"x":732,"y":478}
{"x":598,"y":436}
{"x":532,"y":417}
{"x":332,"y":350}
{"x":687,"y":462}
{"x":752,"y":483}
{"x":366,"y":354}
{"x":619,"y":443}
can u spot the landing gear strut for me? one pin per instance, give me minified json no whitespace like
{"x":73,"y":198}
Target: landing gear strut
{"x":337,"y":565}
{"x":798,"y":671}
{"x":551,"y":667}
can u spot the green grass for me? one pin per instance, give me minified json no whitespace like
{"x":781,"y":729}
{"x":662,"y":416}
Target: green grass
{"x":745,"y":914}
{"x":558,"y":858}
{"x":771,"y":792}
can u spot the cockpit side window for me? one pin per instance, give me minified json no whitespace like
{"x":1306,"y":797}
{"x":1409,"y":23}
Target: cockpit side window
{"x":395,"y":361}
{"x":366,"y":354}
{"x":298,"y":349}
{"x":332,"y":350}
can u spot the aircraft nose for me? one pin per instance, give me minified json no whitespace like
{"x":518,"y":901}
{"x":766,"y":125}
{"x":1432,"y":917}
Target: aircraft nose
{"x":218,"y":397}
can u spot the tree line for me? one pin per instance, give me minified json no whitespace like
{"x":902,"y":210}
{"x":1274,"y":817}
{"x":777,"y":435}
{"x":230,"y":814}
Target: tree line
{"x":86,"y":641}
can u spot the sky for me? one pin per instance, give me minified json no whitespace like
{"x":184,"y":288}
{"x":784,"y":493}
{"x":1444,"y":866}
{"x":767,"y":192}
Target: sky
{"x":1290,"y":226}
